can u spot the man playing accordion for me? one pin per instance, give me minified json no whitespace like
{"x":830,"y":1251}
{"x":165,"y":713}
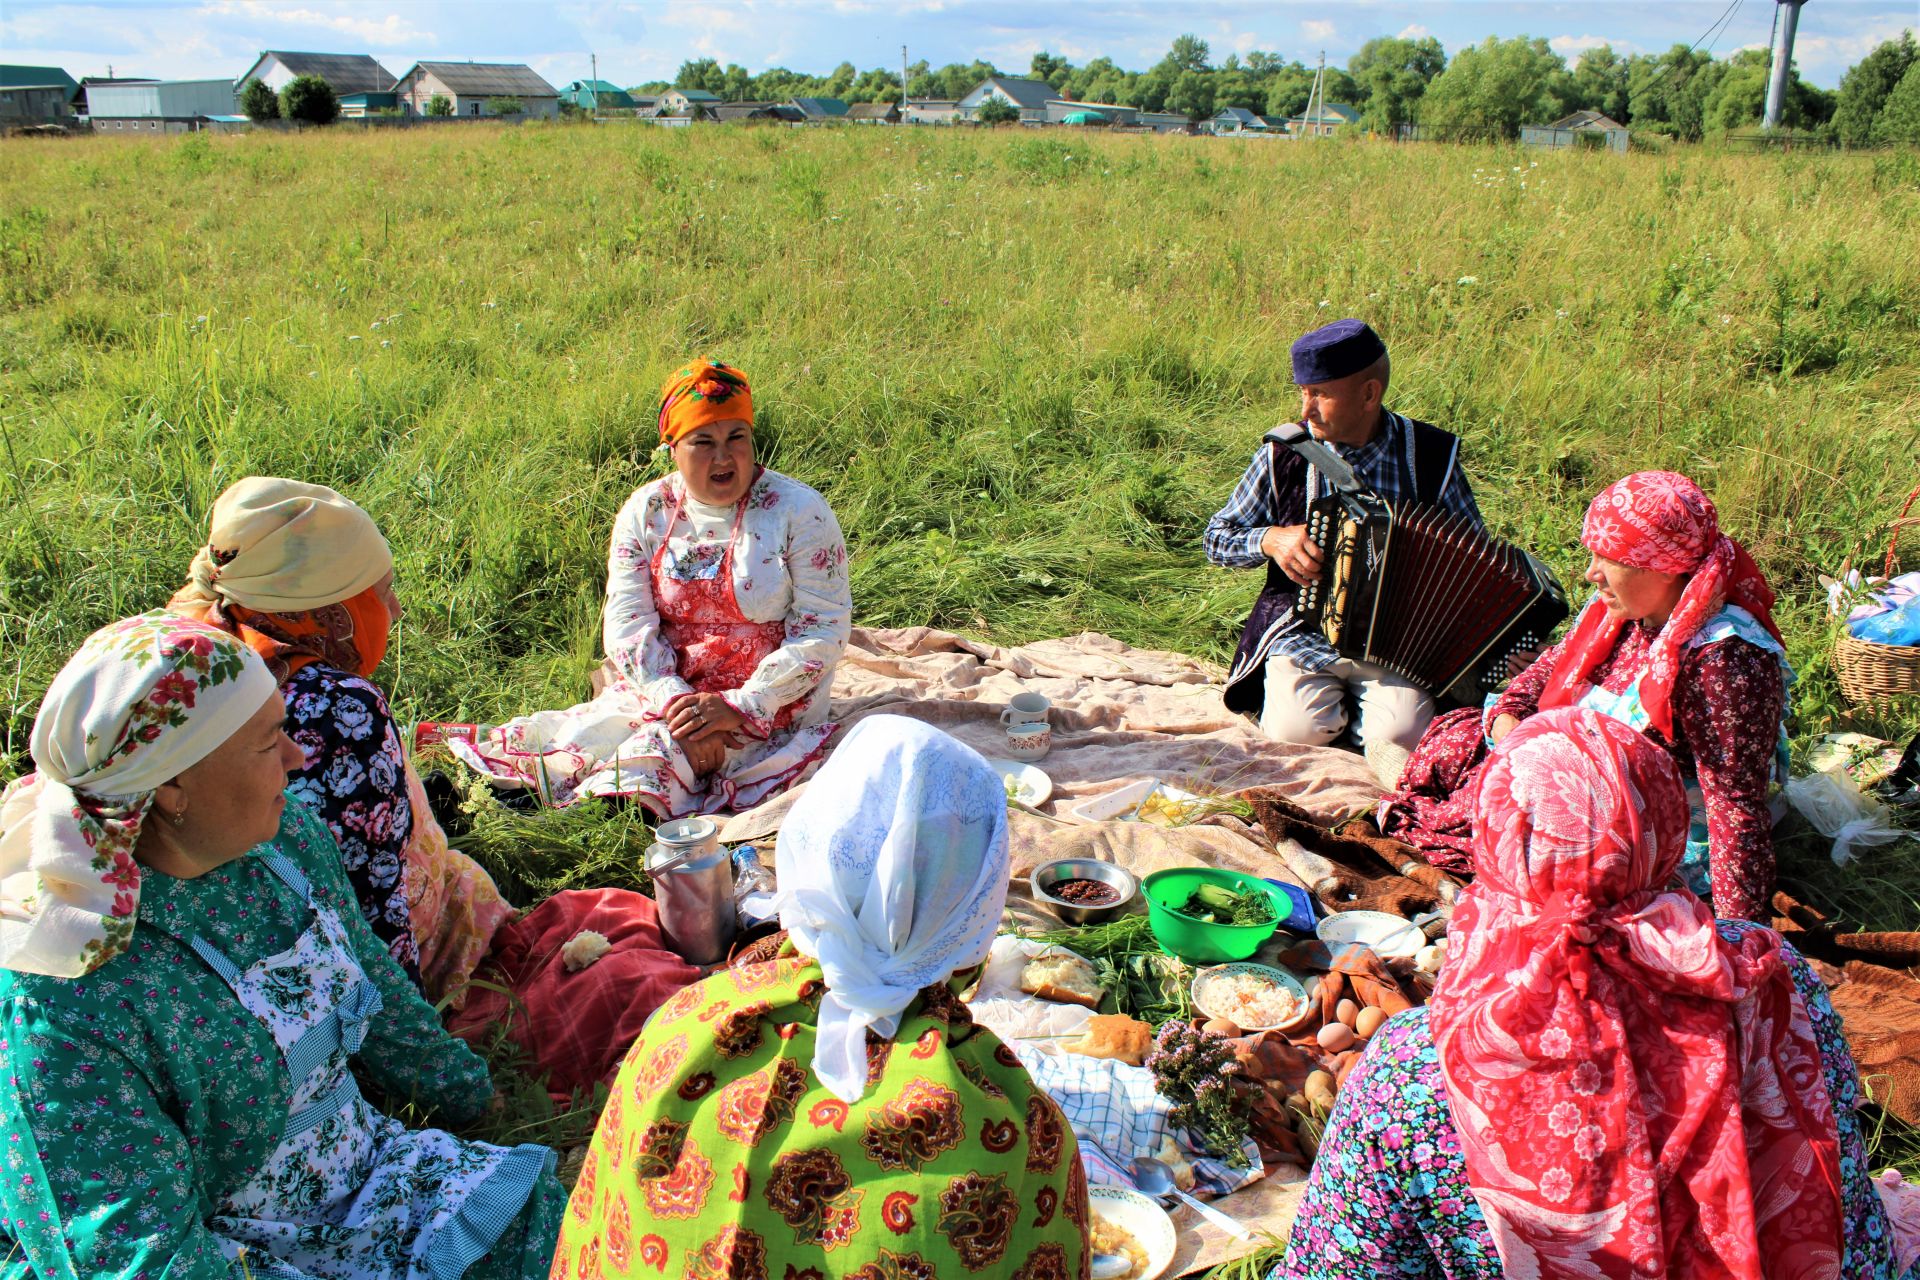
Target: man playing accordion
{"x":1285,"y":673}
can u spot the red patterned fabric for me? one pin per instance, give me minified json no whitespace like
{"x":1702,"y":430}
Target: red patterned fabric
{"x":574,"y":1027}
{"x":1635,"y":1096}
{"x":1661,"y":521}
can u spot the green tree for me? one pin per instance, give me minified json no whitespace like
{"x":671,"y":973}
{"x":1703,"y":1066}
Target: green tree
{"x":1237,"y":89}
{"x":1670,"y":89}
{"x":1899,"y":119}
{"x":1739,"y":96}
{"x":507,"y":105}
{"x":736,"y":83}
{"x":1491,"y":89}
{"x":1189,"y":53}
{"x":259,"y":102}
{"x":1049,"y":67}
{"x":309,"y":99}
{"x":1867,"y":86}
{"x":1392,"y":74}
{"x":701,"y":73}
{"x":996,"y":110}
{"x":1600,"y":83}
{"x":1288,"y":90}
{"x":1192,"y":95}
{"x":439,"y":105}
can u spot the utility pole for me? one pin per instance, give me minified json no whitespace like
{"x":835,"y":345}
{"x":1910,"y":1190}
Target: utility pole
{"x":1786,"y":17}
{"x":593,"y":85}
{"x":1317,"y":95}
{"x":903,"y":84}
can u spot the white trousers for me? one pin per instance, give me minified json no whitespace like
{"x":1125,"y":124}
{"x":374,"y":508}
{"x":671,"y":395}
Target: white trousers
{"x":1308,"y":708}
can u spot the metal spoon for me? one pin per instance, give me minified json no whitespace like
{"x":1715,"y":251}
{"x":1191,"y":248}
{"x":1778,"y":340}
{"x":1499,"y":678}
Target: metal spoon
{"x":1155,"y":1179}
{"x":1105,"y":1266}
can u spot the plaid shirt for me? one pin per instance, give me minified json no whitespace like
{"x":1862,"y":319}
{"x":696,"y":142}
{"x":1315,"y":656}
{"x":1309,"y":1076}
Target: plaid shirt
{"x":1384,"y":464}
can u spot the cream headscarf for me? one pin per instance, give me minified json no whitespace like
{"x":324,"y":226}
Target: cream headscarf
{"x":143,"y":699}
{"x":280,"y":546}
{"x":893,"y":874}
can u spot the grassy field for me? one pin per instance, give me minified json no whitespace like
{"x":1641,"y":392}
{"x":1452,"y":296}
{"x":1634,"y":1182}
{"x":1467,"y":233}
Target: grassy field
{"x":1024,"y":368}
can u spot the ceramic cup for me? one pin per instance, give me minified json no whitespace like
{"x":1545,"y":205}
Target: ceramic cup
{"x":1025,"y":708}
{"x":1029,"y":742}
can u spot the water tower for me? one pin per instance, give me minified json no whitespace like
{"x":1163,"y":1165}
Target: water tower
{"x":1785,"y":18}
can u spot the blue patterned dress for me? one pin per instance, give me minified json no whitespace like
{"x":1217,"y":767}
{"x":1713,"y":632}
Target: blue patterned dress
{"x":1389,"y":1194}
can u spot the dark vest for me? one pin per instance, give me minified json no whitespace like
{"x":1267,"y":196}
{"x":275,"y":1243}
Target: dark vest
{"x":1433,"y":459}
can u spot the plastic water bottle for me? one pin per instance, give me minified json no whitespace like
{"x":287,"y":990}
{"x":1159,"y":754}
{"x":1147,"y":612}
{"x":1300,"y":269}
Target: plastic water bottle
{"x":753,"y":887}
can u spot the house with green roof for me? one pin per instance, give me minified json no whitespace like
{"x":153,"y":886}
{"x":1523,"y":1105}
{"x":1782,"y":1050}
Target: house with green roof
{"x":602,"y":95}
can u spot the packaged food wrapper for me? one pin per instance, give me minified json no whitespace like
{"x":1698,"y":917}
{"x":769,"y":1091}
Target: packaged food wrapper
{"x":1841,"y":811}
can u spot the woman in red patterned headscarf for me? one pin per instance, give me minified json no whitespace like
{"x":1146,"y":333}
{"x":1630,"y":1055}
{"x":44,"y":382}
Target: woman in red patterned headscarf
{"x":1678,"y":642}
{"x":1608,"y":1084}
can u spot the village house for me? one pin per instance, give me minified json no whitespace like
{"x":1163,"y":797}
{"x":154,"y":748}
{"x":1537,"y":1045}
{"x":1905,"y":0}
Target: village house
{"x":479,"y":90}
{"x":1328,"y":119}
{"x":931,"y":111}
{"x":874,"y":113}
{"x":1581,"y":129}
{"x":1236,"y":121}
{"x":726,"y":112}
{"x":163,"y":106}
{"x":1029,"y":96}
{"x":1165,"y":122}
{"x":686,"y":102}
{"x":818,"y":110}
{"x":358,"y":106}
{"x":35,"y":95}
{"x":597,"y":95}
{"x":347,"y":74}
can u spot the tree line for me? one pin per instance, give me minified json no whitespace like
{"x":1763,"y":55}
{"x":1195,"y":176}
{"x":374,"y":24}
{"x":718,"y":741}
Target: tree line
{"x":1488,"y":90}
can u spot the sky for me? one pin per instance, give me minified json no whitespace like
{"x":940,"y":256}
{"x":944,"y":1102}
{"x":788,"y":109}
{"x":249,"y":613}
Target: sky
{"x":637,"y":42}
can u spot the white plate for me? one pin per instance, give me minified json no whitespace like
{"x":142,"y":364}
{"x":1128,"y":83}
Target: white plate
{"x":1388,"y":935}
{"x":1140,"y":1218}
{"x":1031,"y":786}
{"x":1279,"y":977}
{"x":1122,"y":802}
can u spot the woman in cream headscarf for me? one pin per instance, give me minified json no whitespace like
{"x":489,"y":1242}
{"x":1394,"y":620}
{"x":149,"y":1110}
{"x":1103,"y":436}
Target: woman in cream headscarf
{"x":827,"y":1105}
{"x":186,"y":981}
{"x":728,"y":606}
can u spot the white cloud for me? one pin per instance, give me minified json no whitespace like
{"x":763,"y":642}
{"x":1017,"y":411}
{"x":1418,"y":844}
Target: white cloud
{"x":1318,"y":29}
{"x":1414,"y":31}
{"x":385,"y":33}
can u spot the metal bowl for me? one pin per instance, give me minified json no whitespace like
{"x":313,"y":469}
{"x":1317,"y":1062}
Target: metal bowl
{"x":1049,"y":874}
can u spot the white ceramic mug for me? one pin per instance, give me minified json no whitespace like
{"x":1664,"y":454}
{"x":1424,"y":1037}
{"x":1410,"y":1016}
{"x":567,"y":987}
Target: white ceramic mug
{"x":1025,"y":708}
{"x":1029,"y":742}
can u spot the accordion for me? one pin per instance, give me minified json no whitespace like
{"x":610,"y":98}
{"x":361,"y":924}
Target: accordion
{"x":1420,"y":591}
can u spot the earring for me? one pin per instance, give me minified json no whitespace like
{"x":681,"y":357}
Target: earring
{"x":177,"y":819}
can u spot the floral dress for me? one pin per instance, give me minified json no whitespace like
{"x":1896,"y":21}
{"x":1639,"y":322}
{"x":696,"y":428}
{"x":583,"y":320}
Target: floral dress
{"x":750,"y":601}
{"x":720,"y":1156}
{"x":1728,"y":704}
{"x":187,"y":1110}
{"x":1389,"y":1193}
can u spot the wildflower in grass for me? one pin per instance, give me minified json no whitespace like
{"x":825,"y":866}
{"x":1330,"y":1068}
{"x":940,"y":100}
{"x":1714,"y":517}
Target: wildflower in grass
{"x":1468,"y":280}
{"x":1562,"y":313}
{"x":1324,"y":303}
{"x":353,"y":337}
{"x":387,"y":342}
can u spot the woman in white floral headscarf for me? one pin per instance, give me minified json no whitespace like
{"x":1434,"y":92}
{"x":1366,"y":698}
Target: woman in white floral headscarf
{"x":185,"y":979}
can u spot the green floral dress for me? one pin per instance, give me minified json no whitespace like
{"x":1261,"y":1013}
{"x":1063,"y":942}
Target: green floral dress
{"x":720,"y":1156}
{"x":154,"y":1129}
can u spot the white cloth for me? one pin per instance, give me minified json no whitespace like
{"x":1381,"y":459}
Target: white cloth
{"x":281,"y":546}
{"x":142,"y":700}
{"x":893,"y":873}
{"x":789,"y":566}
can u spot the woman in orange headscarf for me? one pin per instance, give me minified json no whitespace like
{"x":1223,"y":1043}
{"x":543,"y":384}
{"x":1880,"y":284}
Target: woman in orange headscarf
{"x":728,"y":607}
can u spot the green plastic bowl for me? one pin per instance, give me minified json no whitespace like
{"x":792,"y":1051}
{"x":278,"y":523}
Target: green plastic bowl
{"x":1197,"y":941}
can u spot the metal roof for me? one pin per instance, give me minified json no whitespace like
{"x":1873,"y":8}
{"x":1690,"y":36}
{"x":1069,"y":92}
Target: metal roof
{"x":872,"y":110}
{"x":820,"y":106}
{"x":487,"y":79}
{"x":1027,"y":93}
{"x":344,"y":72}
{"x":17,"y":77}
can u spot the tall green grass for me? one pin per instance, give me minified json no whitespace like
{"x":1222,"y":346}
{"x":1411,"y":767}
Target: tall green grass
{"x":1024,"y":367}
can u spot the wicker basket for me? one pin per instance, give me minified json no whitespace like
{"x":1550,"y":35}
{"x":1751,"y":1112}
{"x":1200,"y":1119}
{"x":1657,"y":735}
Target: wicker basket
{"x":1872,"y":673}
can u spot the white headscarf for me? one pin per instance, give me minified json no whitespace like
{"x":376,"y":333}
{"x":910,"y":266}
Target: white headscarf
{"x":282,"y":546}
{"x":143,"y":699}
{"x":893,"y":872}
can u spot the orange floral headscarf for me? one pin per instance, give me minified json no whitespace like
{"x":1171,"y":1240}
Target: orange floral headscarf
{"x":701,"y":392}
{"x":350,"y":636}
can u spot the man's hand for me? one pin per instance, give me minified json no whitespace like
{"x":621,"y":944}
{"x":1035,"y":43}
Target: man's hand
{"x":695,"y":717}
{"x":1297,"y":555}
{"x":1520,"y":660}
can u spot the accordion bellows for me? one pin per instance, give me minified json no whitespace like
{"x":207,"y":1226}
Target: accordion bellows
{"x":1421,"y":591}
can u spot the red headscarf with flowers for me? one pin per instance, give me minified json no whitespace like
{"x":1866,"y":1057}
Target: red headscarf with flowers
{"x":702,"y":392}
{"x":1659,"y":520}
{"x":1635,"y":1095}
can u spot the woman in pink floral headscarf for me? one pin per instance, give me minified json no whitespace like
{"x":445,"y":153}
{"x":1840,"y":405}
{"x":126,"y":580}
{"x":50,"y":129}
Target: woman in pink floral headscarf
{"x":1679,"y":642}
{"x":1608,"y":1084}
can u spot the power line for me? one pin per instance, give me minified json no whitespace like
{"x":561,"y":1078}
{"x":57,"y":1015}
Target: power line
{"x":1719,"y":25}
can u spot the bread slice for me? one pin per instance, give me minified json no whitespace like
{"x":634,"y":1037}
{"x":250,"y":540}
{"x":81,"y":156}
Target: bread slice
{"x":1066,"y":978}
{"x":1114,"y":1035}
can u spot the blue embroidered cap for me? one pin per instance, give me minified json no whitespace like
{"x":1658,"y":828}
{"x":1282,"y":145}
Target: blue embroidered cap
{"x":1335,"y":351}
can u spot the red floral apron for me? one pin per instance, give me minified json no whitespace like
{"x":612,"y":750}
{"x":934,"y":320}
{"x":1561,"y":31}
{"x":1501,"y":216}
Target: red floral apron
{"x":716,"y":647}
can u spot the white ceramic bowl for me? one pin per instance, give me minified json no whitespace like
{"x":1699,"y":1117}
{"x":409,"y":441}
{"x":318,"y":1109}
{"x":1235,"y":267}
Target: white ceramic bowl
{"x":1388,"y":935}
{"x":1292,"y":985}
{"x":1140,"y":1218}
{"x":1031,"y":786}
